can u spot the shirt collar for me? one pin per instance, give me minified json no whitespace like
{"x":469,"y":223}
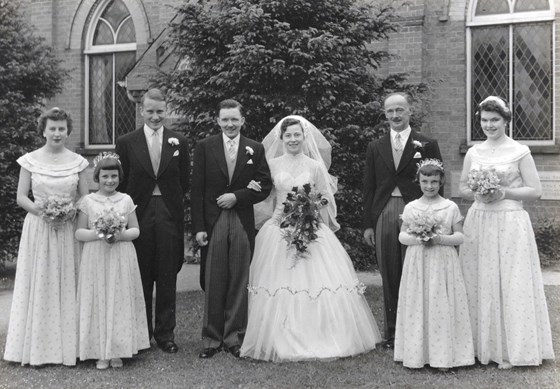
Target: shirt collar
{"x":404,"y":134}
{"x":148,"y":131}
{"x":226,"y":139}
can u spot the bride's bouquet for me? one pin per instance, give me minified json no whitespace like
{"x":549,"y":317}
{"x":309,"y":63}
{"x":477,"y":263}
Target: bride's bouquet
{"x":300,"y":218}
{"x":483,"y":182}
{"x":108,"y":224}
{"x":423,"y":225}
{"x":56,"y":209}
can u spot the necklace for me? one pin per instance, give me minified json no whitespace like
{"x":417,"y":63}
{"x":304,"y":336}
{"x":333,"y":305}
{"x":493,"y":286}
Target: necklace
{"x":53,"y":156}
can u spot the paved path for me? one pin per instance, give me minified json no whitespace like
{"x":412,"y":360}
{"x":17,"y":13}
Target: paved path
{"x":188,"y":281}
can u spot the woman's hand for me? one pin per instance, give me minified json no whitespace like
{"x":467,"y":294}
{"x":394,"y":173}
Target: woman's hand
{"x":496,"y":195}
{"x":255,"y":185}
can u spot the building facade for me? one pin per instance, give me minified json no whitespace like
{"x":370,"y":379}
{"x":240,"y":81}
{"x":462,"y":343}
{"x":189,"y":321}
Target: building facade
{"x":463,"y":50}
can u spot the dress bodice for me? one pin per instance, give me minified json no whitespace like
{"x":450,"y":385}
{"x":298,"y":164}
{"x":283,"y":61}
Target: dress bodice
{"x":94,"y":204}
{"x":53,"y":179}
{"x":446,"y":210}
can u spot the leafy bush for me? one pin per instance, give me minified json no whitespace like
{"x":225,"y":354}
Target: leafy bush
{"x":306,"y":57}
{"x":547,"y":232}
{"x":29,"y":73}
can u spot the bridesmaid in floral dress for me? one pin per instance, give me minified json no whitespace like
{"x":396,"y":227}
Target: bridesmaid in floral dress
{"x":501,"y":267}
{"x":42,"y":326}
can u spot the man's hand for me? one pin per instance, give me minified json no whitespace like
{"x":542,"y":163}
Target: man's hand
{"x":227,"y":201}
{"x":202,"y":238}
{"x":369,"y":237}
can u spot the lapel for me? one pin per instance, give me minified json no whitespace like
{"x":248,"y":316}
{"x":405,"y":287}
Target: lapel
{"x":386,"y":151}
{"x":408,"y":151}
{"x":242,"y":158}
{"x":140,"y":149}
{"x":217,"y":150}
{"x":167,"y":151}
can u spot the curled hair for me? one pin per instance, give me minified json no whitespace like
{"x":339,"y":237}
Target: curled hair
{"x":287,"y":123}
{"x":55,"y":114}
{"x":494,"y":104}
{"x":230,"y":103}
{"x":108,"y":163}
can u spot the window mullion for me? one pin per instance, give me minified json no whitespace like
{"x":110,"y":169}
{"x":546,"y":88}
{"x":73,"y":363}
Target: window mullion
{"x":511,"y":77}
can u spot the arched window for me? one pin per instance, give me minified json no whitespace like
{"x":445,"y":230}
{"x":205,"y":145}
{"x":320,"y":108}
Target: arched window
{"x":110,"y":54}
{"x":510,"y":54}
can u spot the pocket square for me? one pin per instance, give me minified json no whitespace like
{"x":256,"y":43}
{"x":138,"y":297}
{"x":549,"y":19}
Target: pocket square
{"x":417,"y":155}
{"x":176,"y":153}
{"x":250,"y":162}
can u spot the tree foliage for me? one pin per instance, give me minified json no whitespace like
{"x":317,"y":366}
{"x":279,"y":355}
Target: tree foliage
{"x":281,"y":57}
{"x":29,"y":73}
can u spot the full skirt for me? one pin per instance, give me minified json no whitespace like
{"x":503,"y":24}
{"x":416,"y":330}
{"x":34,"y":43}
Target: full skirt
{"x":306,"y":308}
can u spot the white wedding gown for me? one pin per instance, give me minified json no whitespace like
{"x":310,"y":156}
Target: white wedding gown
{"x":307,"y":308}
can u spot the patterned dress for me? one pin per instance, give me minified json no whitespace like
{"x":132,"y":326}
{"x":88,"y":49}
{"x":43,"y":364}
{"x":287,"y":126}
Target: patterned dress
{"x":502,"y":273}
{"x":112,"y":313}
{"x":42,"y":325}
{"x":433,"y":326}
{"x":312,"y":307}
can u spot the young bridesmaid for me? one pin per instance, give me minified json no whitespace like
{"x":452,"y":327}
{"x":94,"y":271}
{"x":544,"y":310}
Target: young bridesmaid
{"x":112,"y":314}
{"x":433,"y":324}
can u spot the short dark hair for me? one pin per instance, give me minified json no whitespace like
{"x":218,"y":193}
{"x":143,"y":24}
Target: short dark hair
{"x":108,"y":164}
{"x":230,"y":103}
{"x":494,"y":106}
{"x":287,"y":123}
{"x":54,"y":113}
{"x":431,"y":170}
{"x":153,"y":94}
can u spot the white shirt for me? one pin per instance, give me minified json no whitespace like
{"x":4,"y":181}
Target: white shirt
{"x":404,"y":138}
{"x":235,"y":142}
{"x":150,"y":137}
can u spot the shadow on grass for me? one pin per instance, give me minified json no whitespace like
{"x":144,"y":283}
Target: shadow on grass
{"x":155,"y":369}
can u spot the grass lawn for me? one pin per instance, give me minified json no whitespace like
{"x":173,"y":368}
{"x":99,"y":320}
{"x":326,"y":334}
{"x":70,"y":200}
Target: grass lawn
{"x":155,"y":369}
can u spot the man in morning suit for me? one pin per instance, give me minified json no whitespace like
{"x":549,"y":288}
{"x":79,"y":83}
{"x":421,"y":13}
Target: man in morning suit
{"x":223,"y":221}
{"x":390,"y":171}
{"x":155,"y":162}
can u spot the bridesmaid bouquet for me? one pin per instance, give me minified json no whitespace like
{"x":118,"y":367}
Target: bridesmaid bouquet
{"x":299,"y":221}
{"x":56,"y":209}
{"x":483,"y":182}
{"x":108,"y":224}
{"x":423,"y":225}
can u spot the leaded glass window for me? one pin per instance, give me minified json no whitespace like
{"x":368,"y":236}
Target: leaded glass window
{"x":510,"y":55}
{"x":111,"y":53}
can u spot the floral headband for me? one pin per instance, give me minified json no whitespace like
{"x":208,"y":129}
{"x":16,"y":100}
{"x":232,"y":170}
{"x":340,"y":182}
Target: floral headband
{"x":430,"y":162}
{"x":105,"y":155}
{"x":496,"y":100}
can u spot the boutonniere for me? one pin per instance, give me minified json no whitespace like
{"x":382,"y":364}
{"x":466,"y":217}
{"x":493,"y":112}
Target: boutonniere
{"x":249,"y":150}
{"x":417,"y":144}
{"x":173,"y":141}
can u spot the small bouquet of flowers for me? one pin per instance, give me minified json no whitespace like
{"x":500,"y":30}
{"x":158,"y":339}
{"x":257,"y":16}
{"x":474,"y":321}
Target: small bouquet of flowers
{"x":299,"y":221}
{"x":108,"y":224}
{"x":56,"y":209}
{"x":423,"y":225}
{"x":483,"y":182}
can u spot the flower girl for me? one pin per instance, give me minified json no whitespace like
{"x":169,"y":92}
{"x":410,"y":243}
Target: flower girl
{"x":112,"y":314}
{"x":433,"y":324}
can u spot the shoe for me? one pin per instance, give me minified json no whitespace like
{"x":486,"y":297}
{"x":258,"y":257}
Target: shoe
{"x":235,"y":350}
{"x":168,"y":346}
{"x":102,"y":364}
{"x":209,"y":352}
{"x":389,"y":343}
{"x":505,"y":365}
{"x":116,"y":362}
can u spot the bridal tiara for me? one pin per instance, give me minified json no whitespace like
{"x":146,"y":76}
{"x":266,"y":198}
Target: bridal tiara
{"x":104,"y":155}
{"x":430,"y":162}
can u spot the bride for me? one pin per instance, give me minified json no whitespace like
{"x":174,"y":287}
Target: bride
{"x":310,"y":307}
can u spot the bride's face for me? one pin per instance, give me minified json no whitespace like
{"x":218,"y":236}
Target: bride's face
{"x":293,"y":139}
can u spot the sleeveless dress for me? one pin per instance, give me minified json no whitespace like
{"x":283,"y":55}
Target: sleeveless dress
{"x":112,"y":312}
{"x":502,"y":273}
{"x":433,"y":325}
{"x":42,"y":325}
{"x":309,"y":308}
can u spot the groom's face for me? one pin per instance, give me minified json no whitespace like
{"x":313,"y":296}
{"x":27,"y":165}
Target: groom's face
{"x":230,"y":121}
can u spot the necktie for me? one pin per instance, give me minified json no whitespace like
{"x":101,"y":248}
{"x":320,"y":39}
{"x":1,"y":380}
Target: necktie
{"x":398,"y":142}
{"x":231,"y":150}
{"x":155,"y":151}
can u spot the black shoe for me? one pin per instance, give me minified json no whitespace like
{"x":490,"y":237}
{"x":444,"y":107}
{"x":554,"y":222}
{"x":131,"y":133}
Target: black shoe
{"x":209,"y":352}
{"x":235,"y":350}
{"x":389,"y":343}
{"x":168,"y":346}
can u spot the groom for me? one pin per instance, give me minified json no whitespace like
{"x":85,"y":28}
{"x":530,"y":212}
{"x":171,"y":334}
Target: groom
{"x":156,"y":166}
{"x":389,"y":183}
{"x":223,"y":221}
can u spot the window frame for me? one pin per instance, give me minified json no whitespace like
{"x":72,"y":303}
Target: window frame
{"x":508,"y":20}
{"x":90,"y":50}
